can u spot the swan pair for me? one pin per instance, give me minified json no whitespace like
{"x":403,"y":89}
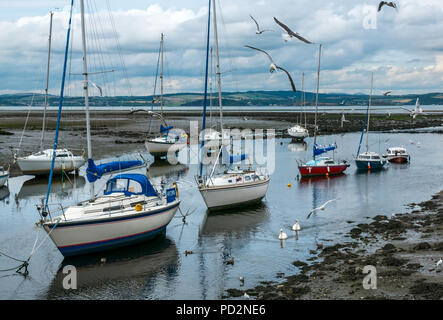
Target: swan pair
{"x":284,"y":236}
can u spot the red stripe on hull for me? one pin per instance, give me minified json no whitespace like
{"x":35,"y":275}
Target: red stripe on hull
{"x":306,"y":171}
{"x":398,"y":160}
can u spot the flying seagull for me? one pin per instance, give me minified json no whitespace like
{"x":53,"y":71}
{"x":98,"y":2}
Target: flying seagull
{"x":291,"y":33}
{"x":386,"y":93}
{"x":322,"y":207}
{"x":274,"y":67}
{"x":258,"y":31}
{"x":389,"y":4}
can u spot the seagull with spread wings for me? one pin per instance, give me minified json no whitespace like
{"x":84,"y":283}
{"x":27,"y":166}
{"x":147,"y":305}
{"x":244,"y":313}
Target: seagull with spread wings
{"x":258,"y":31}
{"x":322,"y":207}
{"x":386,"y":93}
{"x":291,"y":34}
{"x":389,"y":4}
{"x":274,"y":67}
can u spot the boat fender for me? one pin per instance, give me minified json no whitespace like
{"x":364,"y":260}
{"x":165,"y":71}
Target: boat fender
{"x":176,"y":189}
{"x":138,"y":207}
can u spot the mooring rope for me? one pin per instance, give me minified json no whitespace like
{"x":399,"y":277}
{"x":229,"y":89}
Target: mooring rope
{"x":25,"y":263}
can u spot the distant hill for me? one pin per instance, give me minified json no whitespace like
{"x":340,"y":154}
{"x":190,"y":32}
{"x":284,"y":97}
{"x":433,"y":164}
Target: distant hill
{"x":248,"y":98}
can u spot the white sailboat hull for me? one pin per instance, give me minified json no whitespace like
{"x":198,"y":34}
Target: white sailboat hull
{"x":298,"y":132}
{"x":160,"y":149}
{"x":220,"y":197}
{"x":38,"y":166}
{"x":116,"y":231}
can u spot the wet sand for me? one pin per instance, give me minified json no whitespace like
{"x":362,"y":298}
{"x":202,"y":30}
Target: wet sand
{"x":404,"y":249}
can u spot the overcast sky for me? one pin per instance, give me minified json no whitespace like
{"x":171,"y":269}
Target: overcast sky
{"x":404,"y":47}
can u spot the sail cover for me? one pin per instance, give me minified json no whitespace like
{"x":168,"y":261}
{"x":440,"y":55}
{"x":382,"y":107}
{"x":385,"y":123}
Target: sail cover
{"x":95,"y":172}
{"x":318,"y":149}
{"x":228,"y":158}
{"x":165,"y":129}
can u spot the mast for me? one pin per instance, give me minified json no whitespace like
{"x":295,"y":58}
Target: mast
{"x":369,"y":113}
{"x":161,"y":76}
{"x":303,"y":97}
{"x":316,"y":97}
{"x":60,"y":105}
{"x":210,"y":90}
{"x":85,"y":79}
{"x":218,"y":70}
{"x":206,"y":88}
{"x":47,"y":81}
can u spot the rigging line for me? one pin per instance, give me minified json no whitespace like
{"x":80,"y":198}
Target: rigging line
{"x":155,"y":87}
{"x":99,"y":27}
{"x":119,"y":47}
{"x":60,"y":106}
{"x":206,"y":89}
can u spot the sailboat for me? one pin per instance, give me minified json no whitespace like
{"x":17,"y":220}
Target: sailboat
{"x":131,"y":210}
{"x":39,"y":163}
{"x":298,"y":132}
{"x":368,"y":160}
{"x":235,"y":186}
{"x":321,"y":166}
{"x":160,"y":145}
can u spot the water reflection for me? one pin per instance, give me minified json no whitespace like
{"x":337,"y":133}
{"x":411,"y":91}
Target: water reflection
{"x":130,"y":273}
{"x":4,"y":194}
{"x":63,"y":186}
{"x":242,"y":220}
{"x":297,"y":146}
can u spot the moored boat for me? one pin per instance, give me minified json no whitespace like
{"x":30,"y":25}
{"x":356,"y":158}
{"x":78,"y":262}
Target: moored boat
{"x":368,"y":160}
{"x":397,"y":155}
{"x":40,"y":163}
{"x":130,"y":211}
{"x":323,"y":166}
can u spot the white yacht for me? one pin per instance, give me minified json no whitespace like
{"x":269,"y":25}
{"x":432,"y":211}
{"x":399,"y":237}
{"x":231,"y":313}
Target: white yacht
{"x":40,"y":163}
{"x":298,"y":132}
{"x":233,"y":188}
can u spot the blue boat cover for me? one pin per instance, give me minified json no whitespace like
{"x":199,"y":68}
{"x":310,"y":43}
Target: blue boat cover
{"x":141,"y":179}
{"x":228,"y":158}
{"x":95,"y":172}
{"x":165,"y":129}
{"x":322,"y":149}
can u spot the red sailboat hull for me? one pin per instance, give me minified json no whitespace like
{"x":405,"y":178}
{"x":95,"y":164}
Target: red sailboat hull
{"x":310,"y":171}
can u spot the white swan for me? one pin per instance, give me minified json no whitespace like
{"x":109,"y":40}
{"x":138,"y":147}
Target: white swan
{"x":296,"y":226}
{"x":282,"y":235}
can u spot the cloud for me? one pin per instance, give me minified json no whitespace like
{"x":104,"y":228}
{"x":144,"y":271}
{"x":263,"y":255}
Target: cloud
{"x":404,"y":51}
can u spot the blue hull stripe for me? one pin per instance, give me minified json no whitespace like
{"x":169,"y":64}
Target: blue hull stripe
{"x":109,"y":220}
{"x":374,"y":165}
{"x":110,"y":244}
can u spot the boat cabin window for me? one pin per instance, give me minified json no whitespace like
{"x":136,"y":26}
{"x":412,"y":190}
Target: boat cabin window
{"x":255,"y":177}
{"x":247,"y":178}
{"x":375,"y":157}
{"x":329,"y":162}
{"x":365,"y":157}
{"x":134,"y":187}
{"x":61,"y":155}
{"x":118,"y":185}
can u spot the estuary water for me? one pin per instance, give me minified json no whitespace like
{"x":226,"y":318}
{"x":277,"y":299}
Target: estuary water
{"x":160,"y":269}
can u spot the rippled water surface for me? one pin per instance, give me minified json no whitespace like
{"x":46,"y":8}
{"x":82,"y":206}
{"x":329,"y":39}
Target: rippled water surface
{"x":160,"y":269}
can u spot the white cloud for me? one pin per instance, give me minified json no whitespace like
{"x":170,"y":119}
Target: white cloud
{"x":404,"y":51}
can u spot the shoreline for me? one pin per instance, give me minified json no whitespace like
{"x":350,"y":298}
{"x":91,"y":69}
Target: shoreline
{"x":404,"y":250}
